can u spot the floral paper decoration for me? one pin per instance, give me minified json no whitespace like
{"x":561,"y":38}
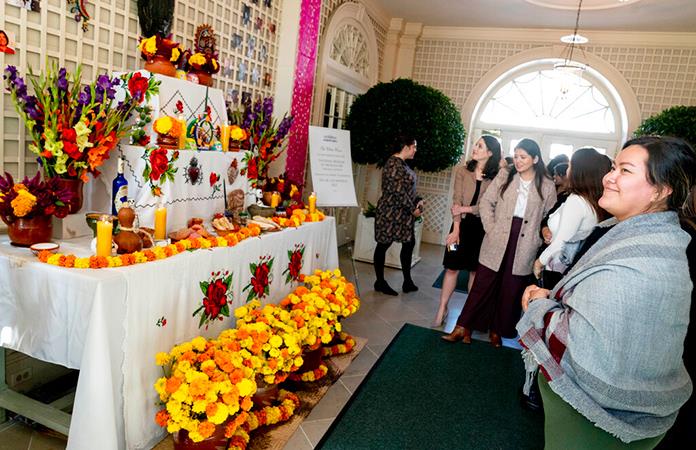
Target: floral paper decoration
{"x":78,"y":8}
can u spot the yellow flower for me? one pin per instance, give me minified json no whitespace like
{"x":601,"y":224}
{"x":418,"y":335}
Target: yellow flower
{"x":237,"y":133}
{"x":53,"y":260}
{"x":175,"y":54}
{"x":162,"y":358}
{"x":23,"y":203}
{"x":197,"y":59}
{"x":149,"y":45}
{"x":215,"y":64}
{"x":246,"y":387}
{"x":163,"y":124}
{"x":199,"y":343}
{"x":81,"y":263}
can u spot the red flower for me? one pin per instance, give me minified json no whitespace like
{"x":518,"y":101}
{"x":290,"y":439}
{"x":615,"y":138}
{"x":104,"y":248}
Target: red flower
{"x":69,"y":134}
{"x":71,"y":149}
{"x":213,"y":178}
{"x":158,"y":163}
{"x":251,"y":169}
{"x":143,"y":141}
{"x":137,"y":86}
{"x":259,"y":282}
{"x":295,"y":264}
{"x":215,"y":299}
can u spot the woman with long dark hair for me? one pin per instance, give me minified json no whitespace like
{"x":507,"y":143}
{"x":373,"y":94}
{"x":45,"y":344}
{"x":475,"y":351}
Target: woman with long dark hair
{"x":511,"y":211}
{"x":396,"y":213}
{"x":579,"y":213}
{"x":463,"y":243}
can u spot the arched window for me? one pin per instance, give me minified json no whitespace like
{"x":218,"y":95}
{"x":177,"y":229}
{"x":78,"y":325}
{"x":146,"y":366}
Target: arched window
{"x":561,"y":111}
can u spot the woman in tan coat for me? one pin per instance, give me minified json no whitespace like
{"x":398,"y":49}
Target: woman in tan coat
{"x":463,"y":243}
{"x":511,"y":211}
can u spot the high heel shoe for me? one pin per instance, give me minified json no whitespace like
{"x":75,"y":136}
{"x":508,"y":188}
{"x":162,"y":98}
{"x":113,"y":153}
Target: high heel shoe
{"x":438,"y":323}
{"x":459,"y":333}
{"x":496,"y":341}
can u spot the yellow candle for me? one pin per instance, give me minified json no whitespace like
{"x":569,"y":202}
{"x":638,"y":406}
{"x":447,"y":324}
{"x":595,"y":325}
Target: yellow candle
{"x":313,"y":203}
{"x":182,"y":138}
{"x":275,"y":199}
{"x":104,"y":233}
{"x":225,"y":137}
{"x":160,"y":223}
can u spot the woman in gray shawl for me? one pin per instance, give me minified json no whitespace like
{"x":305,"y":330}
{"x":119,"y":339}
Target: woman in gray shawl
{"x":609,"y":337}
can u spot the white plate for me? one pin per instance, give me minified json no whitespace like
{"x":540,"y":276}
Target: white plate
{"x":50,"y":246}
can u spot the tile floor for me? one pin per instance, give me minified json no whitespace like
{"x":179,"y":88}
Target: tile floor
{"x":379,"y":319}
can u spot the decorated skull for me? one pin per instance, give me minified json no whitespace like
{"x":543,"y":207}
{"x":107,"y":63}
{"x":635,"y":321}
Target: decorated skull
{"x":193,"y":172}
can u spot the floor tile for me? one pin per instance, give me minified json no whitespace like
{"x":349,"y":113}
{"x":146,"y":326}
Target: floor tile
{"x":298,"y":441}
{"x":315,"y":429}
{"x":331,"y":404}
{"x":351,"y":382}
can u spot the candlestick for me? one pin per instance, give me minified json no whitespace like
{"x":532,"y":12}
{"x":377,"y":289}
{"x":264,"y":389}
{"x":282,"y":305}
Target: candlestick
{"x":160,"y":223}
{"x":225,"y":137}
{"x":275,"y":199}
{"x":105,"y":228}
{"x":313,"y":203}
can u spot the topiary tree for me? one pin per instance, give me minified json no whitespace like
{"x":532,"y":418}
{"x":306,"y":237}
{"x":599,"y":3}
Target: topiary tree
{"x":386,"y":110}
{"x":677,"y":121}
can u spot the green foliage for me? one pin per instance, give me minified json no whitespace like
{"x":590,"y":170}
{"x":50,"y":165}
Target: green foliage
{"x":156,"y":17}
{"x":386,"y":110}
{"x":677,"y":121}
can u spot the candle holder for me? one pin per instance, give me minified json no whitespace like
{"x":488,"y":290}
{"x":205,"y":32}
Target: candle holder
{"x":93,"y":217}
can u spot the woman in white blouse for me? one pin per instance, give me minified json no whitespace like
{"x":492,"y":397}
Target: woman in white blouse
{"x":579,"y":214}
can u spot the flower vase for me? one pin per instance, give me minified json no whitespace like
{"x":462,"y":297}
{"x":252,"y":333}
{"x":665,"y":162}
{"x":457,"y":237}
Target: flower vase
{"x":160,"y":64}
{"x":74,"y":185}
{"x":204,"y":77}
{"x":266,"y":394}
{"x":25,"y":232}
{"x":216,"y":441}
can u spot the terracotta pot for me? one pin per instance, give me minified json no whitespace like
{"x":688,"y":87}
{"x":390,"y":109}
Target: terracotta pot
{"x":204,"y":78}
{"x":266,"y":394}
{"x":312,"y":359}
{"x":217,"y":441}
{"x":160,"y":64}
{"x":75,"y":185}
{"x":168,"y":142}
{"x":267,"y":197}
{"x":24,"y":232}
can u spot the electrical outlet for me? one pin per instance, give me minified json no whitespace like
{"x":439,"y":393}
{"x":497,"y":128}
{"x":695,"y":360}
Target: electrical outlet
{"x":22,"y":376}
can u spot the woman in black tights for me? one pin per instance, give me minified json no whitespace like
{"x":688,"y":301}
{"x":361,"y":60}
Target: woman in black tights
{"x":396,"y":213}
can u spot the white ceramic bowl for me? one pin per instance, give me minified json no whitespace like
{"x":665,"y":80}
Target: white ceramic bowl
{"x":50,"y":246}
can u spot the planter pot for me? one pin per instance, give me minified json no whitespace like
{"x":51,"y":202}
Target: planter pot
{"x":365,"y":244}
{"x":217,"y":441}
{"x":25,"y":232}
{"x":75,"y":185}
{"x":204,"y":78}
{"x":168,"y":142}
{"x":312,"y":359}
{"x":160,"y":64}
{"x":266,"y":394}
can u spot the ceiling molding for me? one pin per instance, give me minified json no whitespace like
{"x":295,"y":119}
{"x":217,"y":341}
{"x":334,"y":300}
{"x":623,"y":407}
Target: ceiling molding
{"x":377,"y":12}
{"x":626,"y":38}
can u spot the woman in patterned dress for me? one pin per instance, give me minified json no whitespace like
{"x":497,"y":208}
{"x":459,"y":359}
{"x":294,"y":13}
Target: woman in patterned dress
{"x":396,"y":213}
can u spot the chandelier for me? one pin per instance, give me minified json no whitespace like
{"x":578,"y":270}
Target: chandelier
{"x":568,"y":69}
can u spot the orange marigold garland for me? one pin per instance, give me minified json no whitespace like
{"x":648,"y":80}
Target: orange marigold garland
{"x":311,"y":375}
{"x":269,"y":415}
{"x":345,"y":346}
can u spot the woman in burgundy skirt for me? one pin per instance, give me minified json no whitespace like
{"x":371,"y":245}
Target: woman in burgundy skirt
{"x":511,"y":211}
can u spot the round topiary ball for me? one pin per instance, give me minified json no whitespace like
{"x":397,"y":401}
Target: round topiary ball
{"x":403,"y":106}
{"x":677,"y":121}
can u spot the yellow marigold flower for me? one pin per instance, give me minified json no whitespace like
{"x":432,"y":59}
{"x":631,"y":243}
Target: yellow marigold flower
{"x":195,"y":436}
{"x":237,"y":133}
{"x":246,"y":387}
{"x":150,"y":45}
{"x":217,"y":414}
{"x":215,"y":64}
{"x":175,"y":54}
{"x":276,"y":341}
{"x":139,"y":257}
{"x":163,"y":124}
{"x":162,"y":358}
{"x":82,"y":263}
{"x":197,"y":59}
{"x":53,"y":260}
{"x":199,"y":406}
{"x":198,"y":343}
{"x":173,"y":427}
{"x":23,"y":203}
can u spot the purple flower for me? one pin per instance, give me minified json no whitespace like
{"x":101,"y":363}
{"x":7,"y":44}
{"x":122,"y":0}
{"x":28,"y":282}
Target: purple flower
{"x":85,"y":96}
{"x":268,"y":106}
{"x":104,"y":85}
{"x":62,"y":82}
{"x":284,"y":127}
{"x":10,"y":73}
{"x":31,"y":108}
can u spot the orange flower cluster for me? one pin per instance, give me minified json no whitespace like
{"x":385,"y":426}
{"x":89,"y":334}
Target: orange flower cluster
{"x":269,"y":415}
{"x":345,"y":345}
{"x":152,"y":254}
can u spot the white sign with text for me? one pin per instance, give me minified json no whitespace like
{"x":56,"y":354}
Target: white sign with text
{"x":332,"y":170}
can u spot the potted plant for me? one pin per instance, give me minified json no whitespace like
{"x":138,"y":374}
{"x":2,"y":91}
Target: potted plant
{"x":27,"y":207}
{"x":202,"y":62}
{"x":161,"y":54}
{"x":74,"y":128}
{"x":677,"y":121}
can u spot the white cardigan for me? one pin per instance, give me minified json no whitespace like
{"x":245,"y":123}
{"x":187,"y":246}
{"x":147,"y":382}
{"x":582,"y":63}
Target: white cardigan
{"x":575,"y":215}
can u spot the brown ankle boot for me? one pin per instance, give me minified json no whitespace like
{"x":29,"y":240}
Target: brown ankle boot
{"x":459,"y":333}
{"x":496,"y":341}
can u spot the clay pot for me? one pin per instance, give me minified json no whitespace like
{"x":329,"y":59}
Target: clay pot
{"x":24,"y":232}
{"x":266,"y":394}
{"x":127,"y":240}
{"x":162,"y":65}
{"x":312,"y":359}
{"x":216,"y":441}
{"x":204,"y":78}
{"x":74,"y":185}
{"x":168,"y":142}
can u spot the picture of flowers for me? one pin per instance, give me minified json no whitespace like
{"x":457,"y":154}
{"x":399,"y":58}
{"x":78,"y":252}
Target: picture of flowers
{"x":261,"y":278}
{"x":218,"y":296}
{"x":159,"y":168}
{"x":292,"y":272}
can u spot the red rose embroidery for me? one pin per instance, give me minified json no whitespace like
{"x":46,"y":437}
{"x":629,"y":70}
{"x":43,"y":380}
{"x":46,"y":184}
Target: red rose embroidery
{"x":158,"y":163}
{"x":213,"y":178}
{"x":137,"y":86}
{"x":215,"y":298}
{"x":259,"y":281}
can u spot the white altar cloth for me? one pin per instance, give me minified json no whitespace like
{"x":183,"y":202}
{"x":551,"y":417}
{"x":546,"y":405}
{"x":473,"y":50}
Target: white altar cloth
{"x":104,"y":322}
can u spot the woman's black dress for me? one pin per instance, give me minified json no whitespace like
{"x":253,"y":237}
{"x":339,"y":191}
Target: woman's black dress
{"x":470,"y":237}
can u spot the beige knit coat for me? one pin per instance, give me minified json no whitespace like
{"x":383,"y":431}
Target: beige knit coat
{"x":496,"y":216}
{"x":464,"y":189}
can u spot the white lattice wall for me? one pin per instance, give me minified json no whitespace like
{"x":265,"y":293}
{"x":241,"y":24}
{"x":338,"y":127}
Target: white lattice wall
{"x":660,"y":78}
{"x":110,"y":44}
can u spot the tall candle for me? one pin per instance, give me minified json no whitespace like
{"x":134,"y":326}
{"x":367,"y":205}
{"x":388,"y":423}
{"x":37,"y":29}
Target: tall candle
{"x":160,"y":223}
{"x":275,"y":199}
{"x":182,"y":137}
{"x":313,"y":203}
{"x":105,"y":227}
{"x":225,"y":137}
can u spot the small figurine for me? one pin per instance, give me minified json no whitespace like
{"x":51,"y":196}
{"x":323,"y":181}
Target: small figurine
{"x":127,"y":239}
